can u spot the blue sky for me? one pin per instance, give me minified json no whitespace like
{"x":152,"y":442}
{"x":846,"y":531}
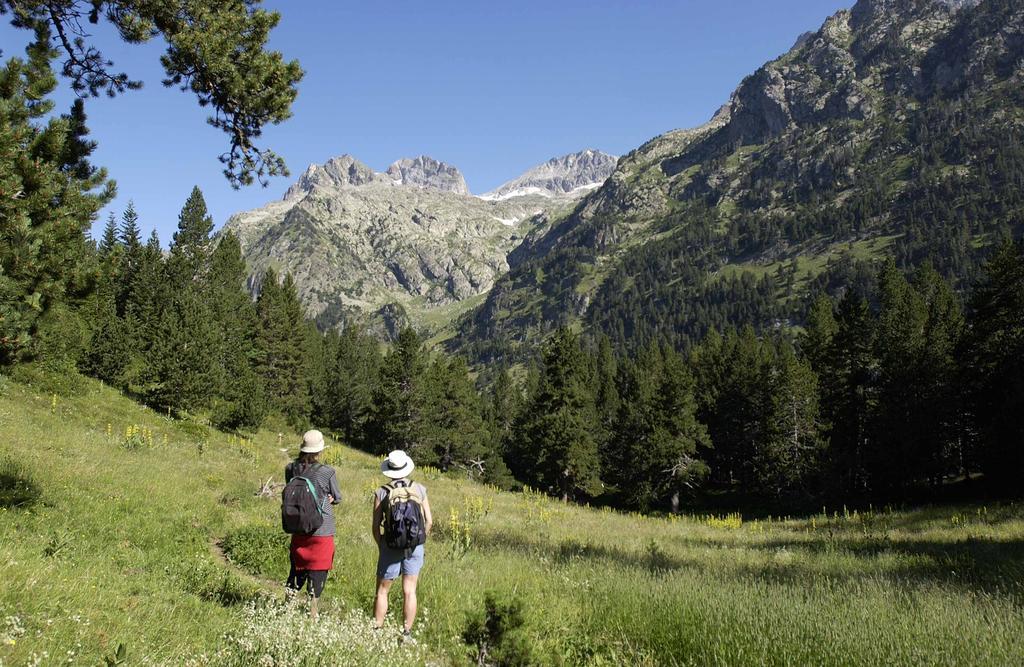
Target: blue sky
{"x":491,"y":87}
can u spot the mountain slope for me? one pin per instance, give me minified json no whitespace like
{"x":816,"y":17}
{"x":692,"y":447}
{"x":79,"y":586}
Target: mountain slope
{"x":894,"y":129}
{"x":96,"y":561}
{"x":559,"y":176}
{"x":406,"y":245}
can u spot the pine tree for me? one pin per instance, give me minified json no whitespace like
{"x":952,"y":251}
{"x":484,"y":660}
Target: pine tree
{"x":736,"y":420}
{"x":994,"y":366}
{"x":559,"y":428}
{"x":851,"y":395}
{"x":651,"y":459}
{"x":243,"y":402}
{"x":454,"y":433}
{"x":215,"y":50}
{"x":280,"y":361}
{"x":181,"y":359}
{"x":399,"y":397}
{"x":351,"y":389}
{"x":788,"y":460}
{"x":53,"y":197}
{"x":191,"y":246}
{"x":109,"y":241}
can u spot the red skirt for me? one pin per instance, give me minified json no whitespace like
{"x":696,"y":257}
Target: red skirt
{"x":309,"y":552}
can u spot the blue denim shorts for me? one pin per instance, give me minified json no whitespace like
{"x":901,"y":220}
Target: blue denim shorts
{"x":393,"y":562}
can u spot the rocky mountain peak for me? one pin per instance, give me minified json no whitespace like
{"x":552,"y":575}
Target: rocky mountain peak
{"x":428,"y":173}
{"x":340,"y":171}
{"x":568,"y":174}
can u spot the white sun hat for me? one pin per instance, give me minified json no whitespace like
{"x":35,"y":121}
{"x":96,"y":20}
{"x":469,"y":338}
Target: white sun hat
{"x":397,"y":465}
{"x":312,"y":442}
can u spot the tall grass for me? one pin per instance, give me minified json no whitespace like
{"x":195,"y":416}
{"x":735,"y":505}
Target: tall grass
{"x":166,"y":549}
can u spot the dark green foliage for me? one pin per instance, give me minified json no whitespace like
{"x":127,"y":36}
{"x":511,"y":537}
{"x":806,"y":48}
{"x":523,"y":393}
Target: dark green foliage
{"x":558,"y":424}
{"x":398,"y":418}
{"x":352,"y":380}
{"x":215,"y":50}
{"x":243,"y":402}
{"x":494,"y":635}
{"x":182,"y":358}
{"x":917,"y":420}
{"x":280,"y":360}
{"x":50,"y":195}
{"x":651,"y":458}
{"x":454,"y":433}
{"x":994,"y":366}
{"x":190,"y":249}
{"x":18,"y":488}
{"x":787,"y":461}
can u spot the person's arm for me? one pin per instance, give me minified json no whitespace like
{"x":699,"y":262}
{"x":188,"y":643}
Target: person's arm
{"x":378,"y":515}
{"x":428,"y":516}
{"x":335,"y":489}
{"x":288,"y":473}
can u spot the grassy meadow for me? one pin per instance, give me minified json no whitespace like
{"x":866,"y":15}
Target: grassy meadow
{"x":122,"y":527}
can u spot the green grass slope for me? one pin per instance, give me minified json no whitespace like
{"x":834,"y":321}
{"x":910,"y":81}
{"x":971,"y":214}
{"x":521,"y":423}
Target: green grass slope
{"x":121,"y":526}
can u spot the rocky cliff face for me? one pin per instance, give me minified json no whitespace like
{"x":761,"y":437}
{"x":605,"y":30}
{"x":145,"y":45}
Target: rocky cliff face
{"x":560,"y":176}
{"x":429,"y":174}
{"x":407,"y":245}
{"x":819,"y":149}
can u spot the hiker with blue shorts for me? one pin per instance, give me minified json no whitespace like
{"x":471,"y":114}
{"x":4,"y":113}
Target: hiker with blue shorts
{"x":401,"y":524}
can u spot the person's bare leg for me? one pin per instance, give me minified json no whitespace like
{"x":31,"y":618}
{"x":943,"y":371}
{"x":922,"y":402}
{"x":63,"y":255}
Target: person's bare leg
{"x":409,"y":594}
{"x":313,"y":610}
{"x":380,"y":603}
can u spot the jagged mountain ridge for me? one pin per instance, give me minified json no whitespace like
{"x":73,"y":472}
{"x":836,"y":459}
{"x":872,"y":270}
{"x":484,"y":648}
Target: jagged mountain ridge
{"x":407,"y":244}
{"x":559,"y":176}
{"x":852,"y":142}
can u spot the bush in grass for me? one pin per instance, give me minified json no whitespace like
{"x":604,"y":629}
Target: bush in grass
{"x":50,"y":378}
{"x":259,"y":549}
{"x":214,"y":582}
{"x":279,"y":634}
{"x":495,"y":637}
{"x":18,"y":489}
{"x":192,"y":431}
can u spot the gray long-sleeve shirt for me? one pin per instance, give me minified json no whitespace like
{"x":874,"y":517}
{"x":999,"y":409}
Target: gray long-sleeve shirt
{"x":325,"y":481}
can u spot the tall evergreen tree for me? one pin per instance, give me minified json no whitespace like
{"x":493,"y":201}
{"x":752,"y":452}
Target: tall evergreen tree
{"x":109,"y":241}
{"x":181,"y":360}
{"x":652,"y":457}
{"x":735,"y":421}
{"x":788,"y":460}
{"x":917,"y":422}
{"x":281,"y":348}
{"x":851,"y":395}
{"x":243,"y":401}
{"x":994,"y":365}
{"x":54,"y":195}
{"x":191,"y":245}
{"x":399,"y":398}
{"x":454,"y":433}
{"x":355,"y":377}
{"x":560,"y":422}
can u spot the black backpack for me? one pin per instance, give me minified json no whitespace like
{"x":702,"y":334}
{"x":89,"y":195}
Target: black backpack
{"x":404,"y":525}
{"x":301,"y":512}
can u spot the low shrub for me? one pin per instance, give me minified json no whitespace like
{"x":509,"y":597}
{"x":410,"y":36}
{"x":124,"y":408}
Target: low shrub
{"x":259,"y":549}
{"x":49,"y":379}
{"x":214,"y":582}
{"x":18,"y":488}
{"x":494,"y":635}
{"x":280,"y":634}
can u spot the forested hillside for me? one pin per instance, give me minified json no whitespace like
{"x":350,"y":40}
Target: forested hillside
{"x":894,"y":131}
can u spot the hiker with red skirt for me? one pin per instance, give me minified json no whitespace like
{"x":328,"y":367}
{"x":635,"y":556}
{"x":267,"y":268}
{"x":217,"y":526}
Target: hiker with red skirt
{"x":311,"y":490}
